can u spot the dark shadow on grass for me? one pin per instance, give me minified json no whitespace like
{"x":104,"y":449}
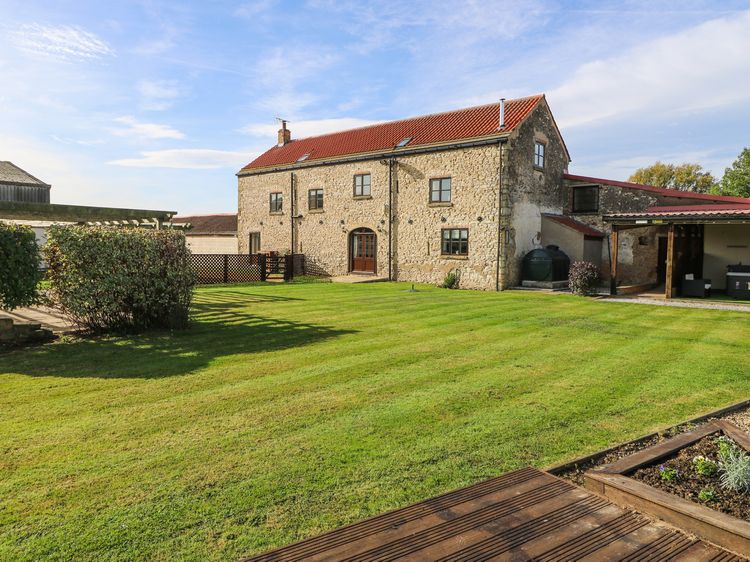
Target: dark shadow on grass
{"x":220,"y":327}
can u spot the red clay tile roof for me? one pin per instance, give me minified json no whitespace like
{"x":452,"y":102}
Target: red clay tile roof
{"x":210,"y":224}
{"x":660,"y":190}
{"x":461,"y":124}
{"x":585,"y":229}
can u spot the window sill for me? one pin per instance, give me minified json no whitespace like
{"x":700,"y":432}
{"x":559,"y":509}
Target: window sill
{"x":585,"y":213}
{"x":454,"y":257}
{"x":362,"y":197}
{"x":440,"y":204}
{"x":315,"y":211}
{"x":276,"y":213}
{"x":538,"y":168}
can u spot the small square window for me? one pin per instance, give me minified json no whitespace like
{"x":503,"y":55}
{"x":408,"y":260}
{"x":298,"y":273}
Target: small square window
{"x":361,"y":185}
{"x":539,"y":149}
{"x":315,"y":199}
{"x":586,"y":199}
{"x":403,"y":142}
{"x":455,"y":242}
{"x":277,"y":202}
{"x":440,"y":190}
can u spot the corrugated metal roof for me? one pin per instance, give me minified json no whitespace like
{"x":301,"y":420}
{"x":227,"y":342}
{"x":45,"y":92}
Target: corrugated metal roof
{"x":469,"y":123}
{"x":660,"y":190}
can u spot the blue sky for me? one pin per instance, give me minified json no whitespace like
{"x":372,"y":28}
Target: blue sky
{"x":158,"y":104}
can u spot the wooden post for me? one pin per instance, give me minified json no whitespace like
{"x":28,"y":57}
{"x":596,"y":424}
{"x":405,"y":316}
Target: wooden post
{"x":613,"y":260}
{"x":226,"y":268}
{"x":288,"y":267}
{"x":262,"y":266}
{"x":670,"y":262}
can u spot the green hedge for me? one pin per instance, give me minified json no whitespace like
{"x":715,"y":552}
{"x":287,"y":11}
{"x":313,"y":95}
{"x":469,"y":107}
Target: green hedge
{"x":19,"y":266}
{"x":115,"y":279}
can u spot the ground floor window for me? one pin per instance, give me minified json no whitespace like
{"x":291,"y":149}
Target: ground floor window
{"x":455,"y":242}
{"x":255,"y":242}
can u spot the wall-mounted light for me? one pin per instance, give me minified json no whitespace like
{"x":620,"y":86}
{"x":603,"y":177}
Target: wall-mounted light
{"x":443,"y":219}
{"x":480,"y":219}
{"x":342,"y":221}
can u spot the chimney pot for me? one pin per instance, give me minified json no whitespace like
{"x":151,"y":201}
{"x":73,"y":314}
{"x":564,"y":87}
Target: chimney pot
{"x":502,"y":114}
{"x":285,"y":135}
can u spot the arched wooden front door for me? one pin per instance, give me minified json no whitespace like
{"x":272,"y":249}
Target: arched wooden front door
{"x":363,"y":250}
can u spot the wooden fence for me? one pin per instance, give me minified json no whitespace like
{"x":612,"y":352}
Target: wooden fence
{"x":246,"y":268}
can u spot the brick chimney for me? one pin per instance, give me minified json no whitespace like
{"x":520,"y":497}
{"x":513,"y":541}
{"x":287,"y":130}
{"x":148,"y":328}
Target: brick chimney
{"x":285,"y":135}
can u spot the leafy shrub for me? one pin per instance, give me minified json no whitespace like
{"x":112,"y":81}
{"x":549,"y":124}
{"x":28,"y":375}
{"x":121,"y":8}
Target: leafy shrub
{"x":735,"y":470}
{"x":450,"y":281}
{"x":707,"y":495}
{"x":19,"y":266}
{"x":668,"y":473}
{"x":583,"y":277}
{"x":120,"y":279}
{"x":704,"y":466}
{"x":726,"y":446}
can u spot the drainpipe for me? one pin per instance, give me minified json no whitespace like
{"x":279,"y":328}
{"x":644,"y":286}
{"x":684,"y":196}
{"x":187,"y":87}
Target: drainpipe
{"x":291,"y":208}
{"x":391,"y":161}
{"x":499,"y":214}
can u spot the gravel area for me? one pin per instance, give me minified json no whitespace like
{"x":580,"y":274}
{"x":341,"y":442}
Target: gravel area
{"x":679,"y":303}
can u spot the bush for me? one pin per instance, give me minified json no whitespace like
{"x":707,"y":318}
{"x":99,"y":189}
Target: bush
{"x":583,"y":277}
{"x":120,"y":279}
{"x":19,"y":266}
{"x":450,"y":281}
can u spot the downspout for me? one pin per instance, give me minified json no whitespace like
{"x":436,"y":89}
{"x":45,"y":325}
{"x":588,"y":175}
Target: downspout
{"x":291,"y":208}
{"x":391,"y":161}
{"x":499,"y":215}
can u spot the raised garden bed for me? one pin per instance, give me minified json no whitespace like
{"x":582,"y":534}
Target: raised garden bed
{"x":636,"y":481}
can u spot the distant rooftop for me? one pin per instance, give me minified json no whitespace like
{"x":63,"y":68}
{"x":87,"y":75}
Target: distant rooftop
{"x":13,"y":175}
{"x":209,"y":224}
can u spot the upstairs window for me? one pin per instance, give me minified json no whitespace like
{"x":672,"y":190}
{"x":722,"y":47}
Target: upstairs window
{"x":586,"y":199}
{"x":539,"y":149}
{"x":362,"y":185}
{"x":440,"y":190}
{"x":455,"y":242}
{"x":315,"y":199}
{"x":277,"y":202}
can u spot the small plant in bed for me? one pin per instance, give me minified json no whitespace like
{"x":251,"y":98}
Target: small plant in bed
{"x":668,"y":474}
{"x":707,"y":495}
{"x":705,"y":466}
{"x":735,"y":470}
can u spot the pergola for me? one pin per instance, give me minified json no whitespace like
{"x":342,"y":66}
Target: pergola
{"x":109,"y":216}
{"x":671,"y":217}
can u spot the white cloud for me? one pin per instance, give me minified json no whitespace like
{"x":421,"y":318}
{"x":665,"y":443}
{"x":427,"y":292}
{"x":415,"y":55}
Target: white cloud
{"x":62,"y":43}
{"x":255,"y":9}
{"x":137,"y":129}
{"x":308,"y":128}
{"x":187,"y":158}
{"x":158,"y":95}
{"x":700,"y":68}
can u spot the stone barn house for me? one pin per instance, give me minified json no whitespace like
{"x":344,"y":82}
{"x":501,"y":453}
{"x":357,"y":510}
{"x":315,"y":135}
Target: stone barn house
{"x":470,"y":191}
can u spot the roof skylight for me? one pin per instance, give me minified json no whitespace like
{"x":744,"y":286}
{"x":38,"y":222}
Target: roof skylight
{"x":303,"y":157}
{"x":403,"y":142}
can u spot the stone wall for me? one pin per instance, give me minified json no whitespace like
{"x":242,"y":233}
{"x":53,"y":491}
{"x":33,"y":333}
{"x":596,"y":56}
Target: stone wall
{"x":638,"y":248}
{"x":531,"y":191}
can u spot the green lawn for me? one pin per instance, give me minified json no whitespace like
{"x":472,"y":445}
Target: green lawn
{"x":290,"y":409}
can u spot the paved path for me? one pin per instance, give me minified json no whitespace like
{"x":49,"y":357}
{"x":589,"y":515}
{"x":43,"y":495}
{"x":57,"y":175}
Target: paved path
{"x":711,"y":305}
{"x":354,"y":278}
{"x":522,"y":515}
{"x":48,"y":317}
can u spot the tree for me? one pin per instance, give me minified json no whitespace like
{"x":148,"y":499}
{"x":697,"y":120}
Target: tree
{"x":736,"y":180}
{"x":682,"y":177}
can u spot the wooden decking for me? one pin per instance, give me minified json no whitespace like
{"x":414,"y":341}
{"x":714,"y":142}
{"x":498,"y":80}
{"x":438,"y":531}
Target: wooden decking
{"x":522,"y":515}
